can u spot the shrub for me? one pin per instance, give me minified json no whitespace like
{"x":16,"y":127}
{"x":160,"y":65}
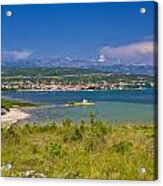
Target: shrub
{"x":34,"y":149}
{"x":28,"y":128}
{"x":72,"y":135}
{"x":82,"y":126}
{"x":12,"y":134}
{"x":122,"y":147}
{"x":67,"y":123}
{"x":101,"y":128}
{"x":89,"y":145}
{"x":77,"y":135}
{"x":92,"y":118}
{"x":54,"y":149}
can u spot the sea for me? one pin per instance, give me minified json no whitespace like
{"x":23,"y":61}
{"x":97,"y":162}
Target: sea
{"x":112,"y":106}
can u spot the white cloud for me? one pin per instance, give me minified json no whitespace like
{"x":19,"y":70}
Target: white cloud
{"x":101,"y":58}
{"x":141,"y":52}
{"x":15,"y":55}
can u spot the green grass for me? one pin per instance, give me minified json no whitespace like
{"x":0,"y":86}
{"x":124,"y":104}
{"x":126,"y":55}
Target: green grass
{"x":93,"y":150}
{"x":7,"y":104}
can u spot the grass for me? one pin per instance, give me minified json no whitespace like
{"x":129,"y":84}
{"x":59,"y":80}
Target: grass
{"x":92,"y":150}
{"x":7,"y":104}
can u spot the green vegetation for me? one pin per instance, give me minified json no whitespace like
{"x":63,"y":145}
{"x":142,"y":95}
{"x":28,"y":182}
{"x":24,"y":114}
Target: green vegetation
{"x":44,"y":71}
{"x":7,"y":104}
{"x":8,"y":89}
{"x":71,"y":76}
{"x":93,"y":150}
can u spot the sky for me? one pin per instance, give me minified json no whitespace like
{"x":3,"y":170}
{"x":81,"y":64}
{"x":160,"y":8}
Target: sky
{"x":81,"y":31}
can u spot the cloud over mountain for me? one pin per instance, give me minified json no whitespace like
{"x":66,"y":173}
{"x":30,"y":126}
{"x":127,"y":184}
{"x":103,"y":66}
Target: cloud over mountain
{"x":15,"y":55}
{"x":134,"y":53}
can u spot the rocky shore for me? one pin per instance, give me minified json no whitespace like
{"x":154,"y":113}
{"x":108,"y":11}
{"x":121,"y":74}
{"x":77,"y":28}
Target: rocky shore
{"x":13,"y":116}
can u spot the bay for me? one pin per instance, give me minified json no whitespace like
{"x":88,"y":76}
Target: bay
{"x":111,"y":106}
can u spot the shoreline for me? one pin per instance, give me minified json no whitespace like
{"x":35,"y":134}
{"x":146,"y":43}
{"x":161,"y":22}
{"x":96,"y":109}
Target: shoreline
{"x":13,"y":116}
{"x":69,"y":90}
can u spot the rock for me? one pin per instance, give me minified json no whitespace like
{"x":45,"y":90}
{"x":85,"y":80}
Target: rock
{"x":32,"y":174}
{"x":3,"y":111}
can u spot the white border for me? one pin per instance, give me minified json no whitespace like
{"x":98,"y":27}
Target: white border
{"x":50,"y":182}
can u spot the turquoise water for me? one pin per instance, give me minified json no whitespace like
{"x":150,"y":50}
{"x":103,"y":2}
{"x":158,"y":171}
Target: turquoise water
{"x":112,"y":106}
{"x":108,"y":111}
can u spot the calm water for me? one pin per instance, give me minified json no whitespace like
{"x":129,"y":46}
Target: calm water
{"x":114,"y":106}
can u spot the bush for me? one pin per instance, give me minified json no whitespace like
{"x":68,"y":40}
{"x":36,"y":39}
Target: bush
{"x":12,"y":134}
{"x":67,"y":123}
{"x":54,"y":149}
{"x":72,"y":135}
{"x":77,"y":135}
{"x":92,"y":118}
{"x":82,"y":126}
{"x":101,"y":128}
{"x":90,"y":145}
{"x":122,"y":147}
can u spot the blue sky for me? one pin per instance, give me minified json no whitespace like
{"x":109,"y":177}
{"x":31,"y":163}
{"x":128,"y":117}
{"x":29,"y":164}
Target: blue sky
{"x":81,"y":31}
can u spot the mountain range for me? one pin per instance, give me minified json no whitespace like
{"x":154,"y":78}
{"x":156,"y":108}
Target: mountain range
{"x":114,"y":66}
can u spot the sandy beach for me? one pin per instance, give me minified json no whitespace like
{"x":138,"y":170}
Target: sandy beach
{"x":13,"y":116}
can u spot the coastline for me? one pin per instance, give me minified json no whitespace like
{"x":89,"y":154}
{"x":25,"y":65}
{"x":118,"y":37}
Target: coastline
{"x":69,"y":90}
{"x":13,"y":116}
